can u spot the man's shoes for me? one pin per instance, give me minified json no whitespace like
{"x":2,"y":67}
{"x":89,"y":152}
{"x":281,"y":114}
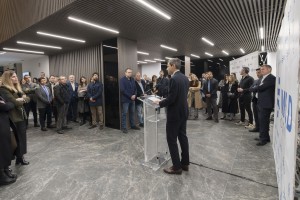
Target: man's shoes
{"x":125,"y":130}
{"x":254,"y":130}
{"x":141,"y":124}
{"x":101,"y":127}
{"x":135,"y":128}
{"x":261,"y":143}
{"x":217,"y":120}
{"x":44,"y":129}
{"x":93,"y":126}
{"x":9,"y":173}
{"x":75,"y":121}
{"x":209,"y":118}
{"x":36,"y":125}
{"x":60,"y":131}
{"x":257,"y":139}
{"x":4,"y":179}
{"x":21,"y":161}
{"x":66,"y":128}
{"x":185,"y":167}
{"x":171,"y":170}
{"x":51,"y":126}
{"x":250,"y":126}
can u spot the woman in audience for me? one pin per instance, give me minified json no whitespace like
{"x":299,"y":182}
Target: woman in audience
{"x":11,"y":92}
{"x":153,"y":85}
{"x":6,"y":151}
{"x":230,"y":96}
{"x":83,"y":101}
{"x":194,"y":97}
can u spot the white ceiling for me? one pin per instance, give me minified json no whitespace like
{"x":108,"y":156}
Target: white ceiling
{"x":9,"y":58}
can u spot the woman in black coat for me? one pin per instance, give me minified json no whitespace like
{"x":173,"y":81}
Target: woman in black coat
{"x":6,"y":175}
{"x":229,"y":97}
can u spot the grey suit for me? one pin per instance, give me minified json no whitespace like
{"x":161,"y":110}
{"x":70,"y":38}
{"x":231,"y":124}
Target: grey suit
{"x":44,"y":99}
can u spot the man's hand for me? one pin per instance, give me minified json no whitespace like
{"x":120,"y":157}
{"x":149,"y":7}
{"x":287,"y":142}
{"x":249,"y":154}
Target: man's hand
{"x":133,"y":97}
{"x":240,"y":90}
{"x":2,"y":102}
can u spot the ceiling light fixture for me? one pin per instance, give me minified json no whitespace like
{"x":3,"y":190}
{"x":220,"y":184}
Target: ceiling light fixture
{"x":3,"y":52}
{"x":110,"y":46}
{"x":242,"y":50}
{"x":60,"y":36}
{"x":220,"y":59}
{"x":153,"y":8}
{"x":39,"y":45}
{"x":210,"y":60}
{"x":209,"y":54}
{"x":144,"y":53}
{"x":150,"y":61}
{"x":141,"y":62}
{"x":196,"y":56}
{"x":207,"y":41}
{"x":225,"y":52}
{"x":168,"y":58}
{"x":233,"y":58}
{"x":261,"y":30}
{"x":94,"y":25}
{"x":166,"y":47}
{"x":157,"y":59}
{"x":23,"y":50}
{"x":262,"y":48}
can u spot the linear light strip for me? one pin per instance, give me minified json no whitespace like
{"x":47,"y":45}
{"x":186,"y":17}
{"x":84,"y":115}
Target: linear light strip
{"x":110,"y":46}
{"x":150,"y":61}
{"x":157,"y":59}
{"x":153,"y":8}
{"x":23,"y":50}
{"x":209,"y":54}
{"x":207,"y":41}
{"x":261,"y":30}
{"x":220,"y":59}
{"x":196,"y":56}
{"x":39,"y":45}
{"x":242,"y":50}
{"x":167,"y":47}
{"x":144,"y":53}
{"x":92,"y":24}
{"x":225,"y":52}
{"x":60,"y":36}
{"x":142,"y":62}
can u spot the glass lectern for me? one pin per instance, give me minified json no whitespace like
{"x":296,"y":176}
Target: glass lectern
{"x":155,"y":143}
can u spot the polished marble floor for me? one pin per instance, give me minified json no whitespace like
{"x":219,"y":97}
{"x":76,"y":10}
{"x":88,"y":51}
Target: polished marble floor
{"x":93,"y":164}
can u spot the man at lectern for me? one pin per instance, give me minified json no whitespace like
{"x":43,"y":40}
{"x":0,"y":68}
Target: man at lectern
{"x":177,"y":115}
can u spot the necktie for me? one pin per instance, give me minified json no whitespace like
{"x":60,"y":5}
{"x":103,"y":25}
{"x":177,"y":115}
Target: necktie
{"x":47,"y":93}
{"x":208,"y":85}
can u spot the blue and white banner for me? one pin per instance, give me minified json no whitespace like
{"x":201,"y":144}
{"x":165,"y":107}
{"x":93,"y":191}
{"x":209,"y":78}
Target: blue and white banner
{"x":286,"y":101}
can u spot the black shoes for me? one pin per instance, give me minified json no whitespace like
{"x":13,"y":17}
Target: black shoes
{"x":9,"y":173}
{"x":254,"y":130}
{"x":217,"y":120}
{"x":21,"y":161}
{"x":66,"y":128}
{"x":141,"y":124}
{"x":101,"y":127}
{"x":135,"y":128}
{"x":261,"y":143}
{"x":60,"y":131}
{"x":51,"y":126}
{"x":5,"y":179}
{"x":44,"y":129}
{"x":36,"y":125}
{"x":209,"y":118}
{"x":93,"y":126}
{"x":185,"y":167}
{"x":172,"y":170}
{"x":125,"y":130}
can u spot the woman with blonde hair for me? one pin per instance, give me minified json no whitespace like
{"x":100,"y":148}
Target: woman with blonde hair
{"x":194,"y":97}
{"x":11,"y":92}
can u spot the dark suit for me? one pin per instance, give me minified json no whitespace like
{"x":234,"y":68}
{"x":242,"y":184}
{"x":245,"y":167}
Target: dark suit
{"x":254,"y":103}
{"x":44,"y":99}
{"x":177,"y":115}
{"x":245,"y":98}
{"x":72,"y":111}
{"x":212,"y":100}
{"x":265,"y":104}
{"x":62,"y":98}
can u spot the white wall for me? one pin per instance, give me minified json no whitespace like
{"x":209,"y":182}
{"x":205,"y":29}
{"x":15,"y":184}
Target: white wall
{"x":271,"y":60}
{"x":151,"y":69}
{"x":36,"y":66}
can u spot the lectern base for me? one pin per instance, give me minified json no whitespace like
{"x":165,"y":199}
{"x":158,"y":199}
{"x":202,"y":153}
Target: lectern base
{"x":156,"y":162}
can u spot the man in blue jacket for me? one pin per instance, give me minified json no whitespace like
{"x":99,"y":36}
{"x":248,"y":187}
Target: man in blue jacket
{"x":94,"y":93}
{"x":128,"y":95}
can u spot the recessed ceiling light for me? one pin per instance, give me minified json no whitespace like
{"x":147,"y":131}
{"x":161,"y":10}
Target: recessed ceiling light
{"x":220,"y":59}
{"x":23,"y":50}
{"x":39,"y":45}
{"x":150,"y":61}
{"x":242,"y":50}
{"x":154,"y":9}
{"x":144,"y":53}
{"x":209,"y":54}
{"x":167,"y":47}
{"x":60,"y":36}
{"x":196,"y":56}
{"x":233,"y":58}
{"x":225,"y":52}
{"x":263,"y":48}
{"x":92,"y":24}
{"x":157,"y":59}
{"x":168,"y":58}
{"x":210,"y":60}
{"x":207,"y":41}
{"x":261,"y":30}
{"x":3,"y":52}
{"x":110,"y":46}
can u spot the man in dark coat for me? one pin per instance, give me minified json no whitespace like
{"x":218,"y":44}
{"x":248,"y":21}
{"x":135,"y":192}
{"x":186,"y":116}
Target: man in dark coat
{"x":62,"y":99}
{"x":73,"y":89}
{"x":210,"y":89}
{"x":6,"y":175}
{"x":94,"y":93}
{"x":177,"y":115}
